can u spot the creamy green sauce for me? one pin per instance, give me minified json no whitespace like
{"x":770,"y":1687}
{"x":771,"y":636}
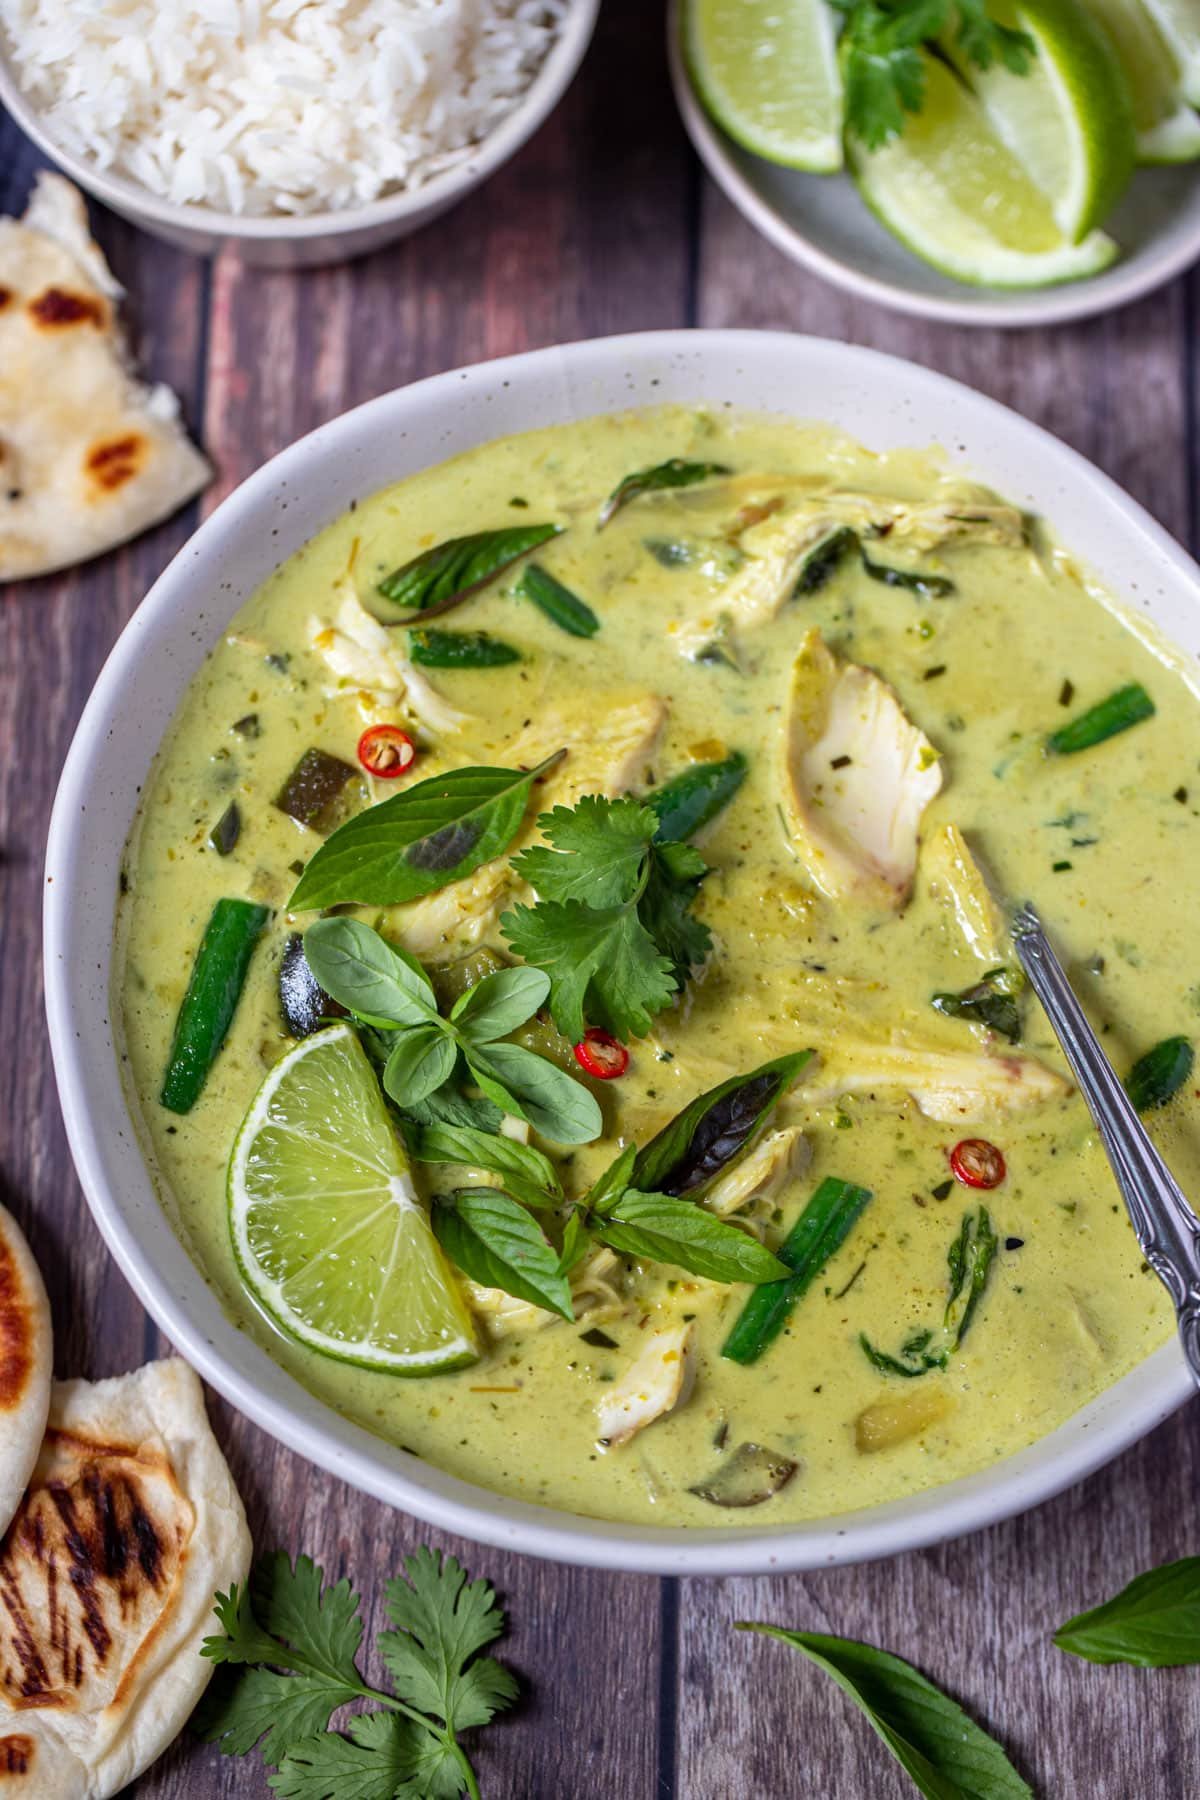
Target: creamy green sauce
{"x":1069,"y":1307}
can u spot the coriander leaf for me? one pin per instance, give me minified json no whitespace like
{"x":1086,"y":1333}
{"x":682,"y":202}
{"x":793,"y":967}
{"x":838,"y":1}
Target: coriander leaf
{"x":555,"y":1104}
{"x":422,"y":1059}
{"x":500,"y":1003}
{"x":504,"y":1156}
{"x":376,"y":981}
{"x":882,"y":63}
{"x":984,"y":41}
{"x":420,"y":840}
{"x":238,"y":1710}
{"x":674,"y":473}
{"x":375,"y":1761}
{"x":599,"y":851}
{"x":448,"y":1106}
{"x":607,"y":1190}
{"x":322,"y":1623}
{"x":442,"y":1621}
{"x":494,"y":1240}
{"x":947,"y":1755}
{"x":706,"y":1137}
{"x":663,"y":1229}
{"x":1153,"y":1623}
{"x":606,"y":956}
{"x":663,"y":909}
{"x":445,"y":575}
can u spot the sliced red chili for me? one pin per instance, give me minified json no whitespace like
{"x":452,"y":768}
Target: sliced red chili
{"x":600,"y":1054}
{"x":977,"y":1164}
{"x":386,"y":751}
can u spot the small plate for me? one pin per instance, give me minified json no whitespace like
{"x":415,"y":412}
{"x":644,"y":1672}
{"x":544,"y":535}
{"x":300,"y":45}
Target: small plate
{"x":822,"y":222}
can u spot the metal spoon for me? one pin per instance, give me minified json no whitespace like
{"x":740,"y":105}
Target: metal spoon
{"x":1167,"y":1228}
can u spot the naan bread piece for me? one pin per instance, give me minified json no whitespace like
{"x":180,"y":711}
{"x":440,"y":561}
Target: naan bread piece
{"x":89,"y":456}
{"x":107,"y":1574}
{"x":26,"y":1365}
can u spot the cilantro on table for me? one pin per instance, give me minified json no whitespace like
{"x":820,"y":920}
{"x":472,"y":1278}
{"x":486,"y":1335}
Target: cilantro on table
{"x":882,"y":62}
{"x":290,"y":1662}
{"x":612,"y":927}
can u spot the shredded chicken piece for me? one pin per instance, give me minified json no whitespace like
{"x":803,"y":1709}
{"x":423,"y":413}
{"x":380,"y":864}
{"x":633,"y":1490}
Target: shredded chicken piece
{"x":957,"y":1087}
{"x":956,"y":879}
{"x":658,"y":1382}
{"x":758,"y":1177}
{"x":364,"y":654}
{"x":442,"y":925}
{"x":609,"y":754}
{"x":594,"y":1295}
{"x":857,"y":776}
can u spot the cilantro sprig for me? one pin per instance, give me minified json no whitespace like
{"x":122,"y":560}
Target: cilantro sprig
{"x":882,"y":64}
{"x":290,"y":1662}
{"x":612,"y":927}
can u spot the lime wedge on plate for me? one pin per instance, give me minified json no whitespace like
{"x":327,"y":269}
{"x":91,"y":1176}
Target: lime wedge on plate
{"x":951,"y":189}
{"x":1168,"y":130}
{"x":1068,"y":120}
{"x":767,"y":71}
{"x":328,"y":1231}
{"x":1179,"y":22}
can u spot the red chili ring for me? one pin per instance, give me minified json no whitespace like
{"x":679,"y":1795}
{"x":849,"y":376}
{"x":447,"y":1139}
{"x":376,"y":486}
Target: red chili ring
{"x":599,"y":1054}
{"x":977,"y":1164}
{"x":386,"y":752}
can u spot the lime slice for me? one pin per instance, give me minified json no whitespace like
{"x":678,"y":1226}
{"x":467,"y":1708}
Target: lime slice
{"x":327,"y":1229}
{"x":1068,"y":120}
{"x":951,"y":189}
{"x":767,"y":71}
{"x":1179,"y":22}
{"x":1167,"y":129}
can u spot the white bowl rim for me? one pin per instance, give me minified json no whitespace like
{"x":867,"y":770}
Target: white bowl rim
{"x":555,"y":75}
{"x":1056,"y":305}
{"x":1100,"y":1431}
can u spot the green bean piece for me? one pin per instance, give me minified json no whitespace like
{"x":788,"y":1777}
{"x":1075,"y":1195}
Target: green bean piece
{"x":820,"y":1230}
{"x":560,"y":605}
{"x":460,"y":650}
{"x":694,"y":797}
{"x":1128,"y":706}
{"x":218,"y":976}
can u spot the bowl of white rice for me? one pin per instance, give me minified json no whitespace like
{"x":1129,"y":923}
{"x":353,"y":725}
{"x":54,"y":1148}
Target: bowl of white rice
{"x":303,"y":131}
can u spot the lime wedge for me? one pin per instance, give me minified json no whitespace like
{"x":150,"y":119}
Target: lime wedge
{"x":1069,"y":119}
{"x":951,"y":189}
{"x":1168,"y":131}
{"x":767,"y":71}
{"x":1179,"y":22}
{"x":328,"y":1231}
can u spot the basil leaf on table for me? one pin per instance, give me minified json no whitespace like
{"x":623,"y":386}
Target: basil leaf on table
{"x":449,"y":573}
{"x":470,"y":1149}
{"x":940,"y":1746}
{"x":421,"y":1059}
{"x":674,"y":473}
{"x":420,"y":840}
{"x":664,"y":1229}
{"x":500,"y":1003}
{"x":376,"y":981}
{"x":706,"y":1136}
{"x":555,"y":1104}
{"x":1153,"y":1623}
{"x":495,"y":1241}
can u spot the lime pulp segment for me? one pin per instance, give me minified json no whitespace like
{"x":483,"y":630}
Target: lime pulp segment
{"x":767,"y":72}
{"x":1167,"y":129}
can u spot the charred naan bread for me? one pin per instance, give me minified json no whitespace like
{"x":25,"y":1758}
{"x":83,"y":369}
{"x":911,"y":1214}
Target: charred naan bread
{"x":107,"y":1575}
{"x":26,"y":1365}
{"x":89,"y":456}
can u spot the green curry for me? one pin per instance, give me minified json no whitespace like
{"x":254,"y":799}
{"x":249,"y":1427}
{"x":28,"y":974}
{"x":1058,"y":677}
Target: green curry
{"x":811,"y":693}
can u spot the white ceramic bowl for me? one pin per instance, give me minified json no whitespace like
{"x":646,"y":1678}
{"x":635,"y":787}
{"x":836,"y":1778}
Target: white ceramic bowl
{"x":823,"y":223}
{"x":304,"y":243}
{"x":879,"y":399}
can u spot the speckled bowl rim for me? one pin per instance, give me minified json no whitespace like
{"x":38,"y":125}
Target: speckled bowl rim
{"x":881,"y":399}
{"x":130,"y":198}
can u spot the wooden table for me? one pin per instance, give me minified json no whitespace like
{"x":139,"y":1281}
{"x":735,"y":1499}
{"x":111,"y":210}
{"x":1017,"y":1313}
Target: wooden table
{"x":635,"y":1688}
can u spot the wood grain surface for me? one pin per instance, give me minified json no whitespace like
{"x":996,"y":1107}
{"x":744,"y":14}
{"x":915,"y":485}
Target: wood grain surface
{"x":636,"y":1689}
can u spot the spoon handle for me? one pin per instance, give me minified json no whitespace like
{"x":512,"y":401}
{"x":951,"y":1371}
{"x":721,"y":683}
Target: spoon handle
{"x":1167,"y":1228}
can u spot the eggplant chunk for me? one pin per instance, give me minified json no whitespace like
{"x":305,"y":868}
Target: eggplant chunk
{"x":749,"y":1476}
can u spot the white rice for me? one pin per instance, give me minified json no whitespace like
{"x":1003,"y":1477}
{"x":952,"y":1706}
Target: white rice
{"x":276,"y":106}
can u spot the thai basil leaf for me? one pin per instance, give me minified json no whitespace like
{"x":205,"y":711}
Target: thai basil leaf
{"x":576,"y":1243}
{"x":376,"y":981}
{"x":664,"y":1229}
{"x":607,"y":1190}
{"x":1158,"y":1075}
{"x":929,"y":587}
{"x":450,"y":1106}
{"x":991,"y":1001}
{"x":504,"y":1156}
{"x":460,"y":650}
{"x":970,"y":1260}
{"x":421,"y":1059}
{"x":675,"y":473}
{"x":1153,"y":1623}
{"x":693,"y":798}
{"x":420,"y":840}
{"x":706,"y":1136}
{"x":818,"y":1233}
{"x":822,"y":561}
{"x":935,"y":1742}
{"x":500,"y":1003}
{"x":555,"y":1104}
{"x":448,"y":573}
{"x":918,"y":1358}
{"x":493,"y":1240}
{"x":565,"y":609}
